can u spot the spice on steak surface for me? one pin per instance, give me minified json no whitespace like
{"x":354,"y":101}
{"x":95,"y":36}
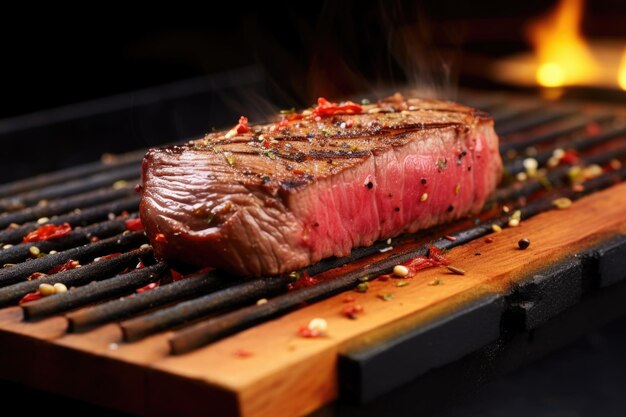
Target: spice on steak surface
{"x":259,"y":200}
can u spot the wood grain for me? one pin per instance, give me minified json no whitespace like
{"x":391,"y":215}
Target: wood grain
{"x":288,"y":375}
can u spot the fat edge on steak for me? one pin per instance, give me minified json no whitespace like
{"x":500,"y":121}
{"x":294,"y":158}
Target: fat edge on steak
{"x":270,"y":199}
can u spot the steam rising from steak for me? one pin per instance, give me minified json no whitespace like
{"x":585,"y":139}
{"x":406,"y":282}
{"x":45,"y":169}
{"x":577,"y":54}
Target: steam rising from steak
{"x":265,"y":200}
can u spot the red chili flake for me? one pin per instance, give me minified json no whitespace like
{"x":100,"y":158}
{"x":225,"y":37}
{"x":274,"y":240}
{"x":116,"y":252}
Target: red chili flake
{"x":160,"y":237}
{"x":303,"y":282}
{"x":419,"y":263}
{"x":435,"y":254}
{"x":109,"y":256}
{"x":298,"y":172}
{"x":304,"y":331}
{"x":93,"y":239}
{"x":148,"y":287}
{"x":295,"y":116}
{"x":384,"y":278}
{"x":282,"y":124}
{"x":69,"y":264}
{"x":570,"y":157}
{"x":134,"y":225}
{"x":326,"y":108}
{"x":593,"y":129}
{"x":31,"y":296}
{"x":47,"y":232}
{"x":348,"y":299}
{"x":489,"y":240}
{"x":435,"y":258}
{"x":242,"y":126}
{"x":350,"y":311}
{"x":140,"y":265}
{"x":35,"y":275}
{"x":450,"y":238}
{"x":242,"y":353}
{"x":138,"y":188}
{"x":176,"y":276}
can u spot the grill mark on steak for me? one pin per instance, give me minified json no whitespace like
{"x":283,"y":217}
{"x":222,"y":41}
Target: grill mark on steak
{"x":270,"y":201}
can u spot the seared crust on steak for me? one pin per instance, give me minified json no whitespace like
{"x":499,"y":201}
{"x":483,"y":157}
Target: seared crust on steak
{"x":275,"y":198}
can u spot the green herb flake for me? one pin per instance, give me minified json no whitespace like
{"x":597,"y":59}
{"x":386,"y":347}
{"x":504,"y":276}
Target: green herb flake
{"x":401,"y":284}
{"x":517,"y":215}
{"x":363,"y":287}
{"x":386,"y":297}
{"x":230,"y":159}
{"x":442,"y":164}
{"x":288,"y":111}
{"x":364,"y":278}
{"x":435,"y":282}
{"x":269,"y":153}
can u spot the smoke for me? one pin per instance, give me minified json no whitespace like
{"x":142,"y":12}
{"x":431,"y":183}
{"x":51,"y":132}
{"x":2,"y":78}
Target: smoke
{"x":344,"y":49}
{"x":375,"y":50}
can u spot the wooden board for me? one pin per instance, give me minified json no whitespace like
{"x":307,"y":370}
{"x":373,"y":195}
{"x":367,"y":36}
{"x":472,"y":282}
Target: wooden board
{"x":288,"y":375}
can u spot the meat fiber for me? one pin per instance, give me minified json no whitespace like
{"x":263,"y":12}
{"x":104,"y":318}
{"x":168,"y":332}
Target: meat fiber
{"x":266,"y":200}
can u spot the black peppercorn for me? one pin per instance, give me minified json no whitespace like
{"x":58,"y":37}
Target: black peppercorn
{"x":523,"y":243}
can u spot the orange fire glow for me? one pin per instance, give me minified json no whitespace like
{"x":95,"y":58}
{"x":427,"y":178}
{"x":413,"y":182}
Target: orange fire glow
{"x":621,"y":78}
{"x":564,"y":56}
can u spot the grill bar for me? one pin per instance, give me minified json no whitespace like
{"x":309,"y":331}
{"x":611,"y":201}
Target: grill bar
{"x":98,"y":291}
{"x":568,"y":128}
{"x":583,"y":144}
{"x":227,"y":298}
{"x":78,"y":218}
{"x":543,"y":117}
{"x":94,"y":271}
{"x":70,"y":188}
{"x":554,"y":177}
{"x":40,"y":181}
{"x":128,"y":306}
{"x":120,"y":243}
{"x":53,"y":208}
{"x":78,"y":236}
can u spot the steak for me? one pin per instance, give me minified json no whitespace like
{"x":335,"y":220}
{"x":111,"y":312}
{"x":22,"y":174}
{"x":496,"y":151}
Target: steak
{"x":270,"y":199}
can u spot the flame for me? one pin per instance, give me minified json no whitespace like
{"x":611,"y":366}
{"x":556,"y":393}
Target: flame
{"x":564,"y":57}
{"x":621,"y":78}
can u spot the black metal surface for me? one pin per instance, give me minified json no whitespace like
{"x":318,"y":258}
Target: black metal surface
{"x":73,"y":187}
{"x":128,"y":306}
{"x":225,"y":299}
{"x":611,"y":258}
{"x":65,"y":205}
{"x":113,"y":244}
{"x":78,"y":217}
{"x":78,"y":236}
{"x":370,"y":372}
{"x":97,"y":291}
{"x":94,"y":271}
{"x":534,"y":301}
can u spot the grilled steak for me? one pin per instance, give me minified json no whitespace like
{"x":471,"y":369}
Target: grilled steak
{"x":264,"y":200}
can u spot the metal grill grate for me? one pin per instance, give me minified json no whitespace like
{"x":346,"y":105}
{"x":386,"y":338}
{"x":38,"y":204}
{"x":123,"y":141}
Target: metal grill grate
{"x":97,"y":200}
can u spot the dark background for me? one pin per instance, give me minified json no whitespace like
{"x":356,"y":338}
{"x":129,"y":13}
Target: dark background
{"x":56,"y":57}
